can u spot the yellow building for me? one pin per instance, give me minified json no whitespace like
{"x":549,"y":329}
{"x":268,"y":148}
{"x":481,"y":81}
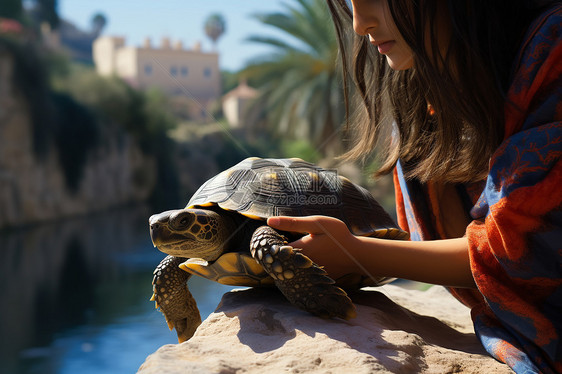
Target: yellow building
{"x":183,"y":73}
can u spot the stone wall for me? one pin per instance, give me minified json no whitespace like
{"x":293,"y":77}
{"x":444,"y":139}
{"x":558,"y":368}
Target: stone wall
{"x":34,"y":189}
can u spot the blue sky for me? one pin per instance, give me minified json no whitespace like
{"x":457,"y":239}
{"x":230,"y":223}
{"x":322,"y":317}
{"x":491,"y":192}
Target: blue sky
{"x":181,"y":20}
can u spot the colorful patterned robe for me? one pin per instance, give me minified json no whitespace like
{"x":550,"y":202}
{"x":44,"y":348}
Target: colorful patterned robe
{"x":514,"y":217}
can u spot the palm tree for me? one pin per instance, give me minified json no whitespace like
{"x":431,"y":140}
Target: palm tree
{"x":215,"y":26}
{"x":98,"y":22}
{"x":299,"y":82}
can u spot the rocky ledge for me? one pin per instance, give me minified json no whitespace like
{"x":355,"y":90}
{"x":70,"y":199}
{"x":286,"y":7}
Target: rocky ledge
{"x":395,"y":331}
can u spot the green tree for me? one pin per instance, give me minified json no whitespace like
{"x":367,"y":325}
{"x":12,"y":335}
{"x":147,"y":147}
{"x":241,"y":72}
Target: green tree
{"x":300,"y":84}
{"x":215,"y":26}
{"x":11,"y":9}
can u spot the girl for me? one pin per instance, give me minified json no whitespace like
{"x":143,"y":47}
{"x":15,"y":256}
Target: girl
{"x":464,"y":99}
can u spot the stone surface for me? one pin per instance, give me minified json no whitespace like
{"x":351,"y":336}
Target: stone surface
{"x":396,"y":331}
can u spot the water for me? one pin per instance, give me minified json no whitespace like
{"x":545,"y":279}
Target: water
{"x":76,"y":296}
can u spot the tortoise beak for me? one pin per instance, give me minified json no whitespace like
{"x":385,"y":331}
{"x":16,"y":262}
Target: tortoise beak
{"x":155,"y":234}
{"x":164,"y":236}
{"x":158,"y":223}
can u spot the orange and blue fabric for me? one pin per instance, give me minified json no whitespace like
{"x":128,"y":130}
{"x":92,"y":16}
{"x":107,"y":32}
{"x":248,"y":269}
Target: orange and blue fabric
{"x":513,"y":217}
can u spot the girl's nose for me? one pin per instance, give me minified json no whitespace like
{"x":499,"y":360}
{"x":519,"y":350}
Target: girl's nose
{"x":362,"y":23}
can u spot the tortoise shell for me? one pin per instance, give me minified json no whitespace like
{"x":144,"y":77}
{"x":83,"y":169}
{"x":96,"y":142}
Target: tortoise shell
{"x":262,"y":188}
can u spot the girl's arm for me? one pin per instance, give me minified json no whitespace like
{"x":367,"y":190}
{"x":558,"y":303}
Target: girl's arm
{"x":331,"y":245}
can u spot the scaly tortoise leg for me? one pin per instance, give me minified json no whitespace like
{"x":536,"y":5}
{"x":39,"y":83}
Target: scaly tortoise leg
{"x":174,"y":299}
{"x":305,"y":284}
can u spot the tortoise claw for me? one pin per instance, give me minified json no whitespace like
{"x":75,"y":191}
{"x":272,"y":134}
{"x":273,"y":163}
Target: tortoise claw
{"x":170,"y":325}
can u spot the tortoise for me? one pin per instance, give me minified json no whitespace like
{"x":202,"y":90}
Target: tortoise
{"x":221,"y":235}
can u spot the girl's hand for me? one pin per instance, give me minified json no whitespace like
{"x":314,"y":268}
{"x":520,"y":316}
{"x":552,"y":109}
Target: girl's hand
{"x":328,"y":242}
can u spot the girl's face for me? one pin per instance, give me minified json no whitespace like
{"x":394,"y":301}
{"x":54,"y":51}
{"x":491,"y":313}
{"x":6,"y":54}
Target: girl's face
{"x":373,"y":18}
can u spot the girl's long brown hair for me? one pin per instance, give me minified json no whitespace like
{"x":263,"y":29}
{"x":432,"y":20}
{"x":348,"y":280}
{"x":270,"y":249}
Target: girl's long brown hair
{"x":453,"y":141}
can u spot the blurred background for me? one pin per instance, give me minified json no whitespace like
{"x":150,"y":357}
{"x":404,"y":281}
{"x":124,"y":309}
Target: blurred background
{"x":111,"y":111}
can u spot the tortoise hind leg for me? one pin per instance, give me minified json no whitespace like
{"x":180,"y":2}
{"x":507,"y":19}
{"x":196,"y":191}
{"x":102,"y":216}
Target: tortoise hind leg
{"x":303,"y":283}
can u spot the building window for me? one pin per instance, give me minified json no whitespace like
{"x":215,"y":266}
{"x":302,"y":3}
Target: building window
{"x":174,"y":71}
{"x":183,"y":71}
{"x":148,"y":69}
{"x":207,"y":72}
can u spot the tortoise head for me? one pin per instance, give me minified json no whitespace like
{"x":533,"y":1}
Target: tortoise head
{"x":189,"y":233}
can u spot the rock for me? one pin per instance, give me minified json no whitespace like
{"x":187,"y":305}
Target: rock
{"x":395,"y":331}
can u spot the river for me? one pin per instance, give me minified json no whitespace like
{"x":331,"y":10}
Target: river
{"x":76,"y":295}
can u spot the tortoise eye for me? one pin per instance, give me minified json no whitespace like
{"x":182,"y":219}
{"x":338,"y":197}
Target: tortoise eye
{"x":182,"y":221}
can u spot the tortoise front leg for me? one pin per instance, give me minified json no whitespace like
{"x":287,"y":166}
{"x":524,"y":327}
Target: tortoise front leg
{"x":303,"y":283}
{"x":174,"y":299}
